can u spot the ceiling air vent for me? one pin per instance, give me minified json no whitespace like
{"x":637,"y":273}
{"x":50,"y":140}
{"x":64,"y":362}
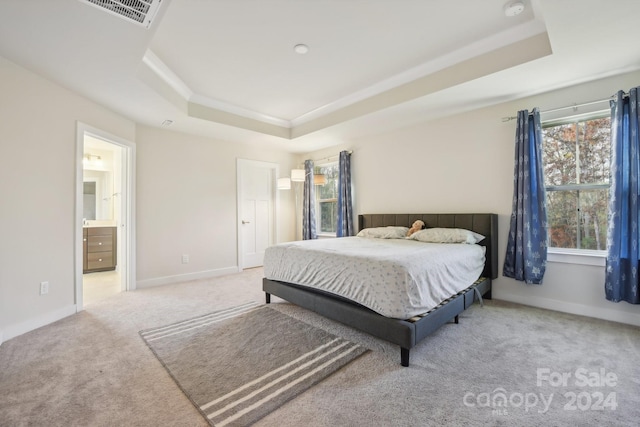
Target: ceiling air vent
{"x":141,"y":12}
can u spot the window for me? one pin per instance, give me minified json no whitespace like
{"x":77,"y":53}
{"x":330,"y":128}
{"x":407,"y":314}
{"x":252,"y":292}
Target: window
{"x":327,"y":198}
{"x":576,"y":158}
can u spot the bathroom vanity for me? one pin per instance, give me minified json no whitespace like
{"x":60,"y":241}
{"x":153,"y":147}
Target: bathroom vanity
{"x":99,"y":248}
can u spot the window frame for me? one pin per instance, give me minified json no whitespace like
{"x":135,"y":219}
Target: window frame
{"x":318,"y":201}
{"x":575,"y":255}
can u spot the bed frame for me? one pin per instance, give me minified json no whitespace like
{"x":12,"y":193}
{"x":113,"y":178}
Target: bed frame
{"x":405,"y":333}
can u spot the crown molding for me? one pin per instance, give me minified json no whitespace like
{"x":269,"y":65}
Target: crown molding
{"x":498,"y":52}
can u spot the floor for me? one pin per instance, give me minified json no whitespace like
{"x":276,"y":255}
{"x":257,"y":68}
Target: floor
{"x":99,"y":286}
{"x":94,"y":369}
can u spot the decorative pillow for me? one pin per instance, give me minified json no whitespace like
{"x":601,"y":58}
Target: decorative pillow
{"x":446,"y":235}
{"x":390,"y":232}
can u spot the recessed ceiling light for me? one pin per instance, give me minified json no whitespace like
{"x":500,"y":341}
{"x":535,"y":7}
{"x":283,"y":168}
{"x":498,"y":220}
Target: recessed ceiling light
{"x":301,"y":49}
{"x":514,"y":8}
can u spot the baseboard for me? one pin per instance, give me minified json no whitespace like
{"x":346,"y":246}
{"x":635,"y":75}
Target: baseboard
{"x":13,"y":331}
{"x":572,"y":308}
{"x":169,"y":280}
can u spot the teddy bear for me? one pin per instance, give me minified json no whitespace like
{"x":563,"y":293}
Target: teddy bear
{"x":416,"y":226}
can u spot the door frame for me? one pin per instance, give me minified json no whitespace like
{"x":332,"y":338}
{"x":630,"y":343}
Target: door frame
{"x":127,"y":227}
{"x":241,"y":166}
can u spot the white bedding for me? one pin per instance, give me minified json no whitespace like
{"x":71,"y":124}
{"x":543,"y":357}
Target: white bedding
{"x":394,"y":277}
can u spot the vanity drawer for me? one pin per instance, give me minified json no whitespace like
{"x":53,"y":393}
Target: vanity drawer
{"x":99,"y":243}
{"x":98,"y":260}
{"x":101,"y":231}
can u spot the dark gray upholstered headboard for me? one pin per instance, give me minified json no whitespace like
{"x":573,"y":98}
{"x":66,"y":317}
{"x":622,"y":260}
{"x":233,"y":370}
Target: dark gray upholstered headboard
{"x":485,"y":224}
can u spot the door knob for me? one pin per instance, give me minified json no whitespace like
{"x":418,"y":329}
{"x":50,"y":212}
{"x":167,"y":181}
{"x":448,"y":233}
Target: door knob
{"x":246,"y":222}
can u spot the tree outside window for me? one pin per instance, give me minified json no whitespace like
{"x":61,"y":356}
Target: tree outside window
{"x":576,"y":167}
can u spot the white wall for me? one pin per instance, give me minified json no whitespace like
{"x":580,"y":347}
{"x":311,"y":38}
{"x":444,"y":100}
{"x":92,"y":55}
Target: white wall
{"x":37,"y":193}
{"x":186,"y":198}
{"x":186,"y":204}
{"x":464,"y":164}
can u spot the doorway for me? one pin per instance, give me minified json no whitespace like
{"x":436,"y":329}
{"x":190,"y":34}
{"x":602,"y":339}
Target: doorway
{"x":105,"y":233}
{"x":256,"y":211}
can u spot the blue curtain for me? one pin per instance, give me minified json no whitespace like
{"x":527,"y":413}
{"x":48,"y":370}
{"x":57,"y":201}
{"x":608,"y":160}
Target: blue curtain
{"x":526,"y":257}
{"x":309,"y":203}
{"x":621,"y":277}
{"x":345,"y":225}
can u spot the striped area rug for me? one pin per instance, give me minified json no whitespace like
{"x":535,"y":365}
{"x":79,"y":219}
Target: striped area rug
{"x":238,"y":365}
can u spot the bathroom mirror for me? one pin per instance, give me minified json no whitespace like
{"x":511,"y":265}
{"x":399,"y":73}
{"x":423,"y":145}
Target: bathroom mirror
{"x":97,"y":195}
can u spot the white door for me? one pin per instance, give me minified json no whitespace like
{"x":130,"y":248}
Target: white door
{"x":256,"y":211}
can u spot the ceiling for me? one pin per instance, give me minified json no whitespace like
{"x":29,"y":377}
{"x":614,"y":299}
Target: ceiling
{"x":227,"y":68}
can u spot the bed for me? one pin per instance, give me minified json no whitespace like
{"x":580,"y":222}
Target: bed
{"x":365,"y":315}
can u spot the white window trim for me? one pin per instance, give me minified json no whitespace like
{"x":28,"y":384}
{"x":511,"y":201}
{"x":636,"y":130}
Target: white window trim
{"x":326,"y":235}
{"x":577,"y":256}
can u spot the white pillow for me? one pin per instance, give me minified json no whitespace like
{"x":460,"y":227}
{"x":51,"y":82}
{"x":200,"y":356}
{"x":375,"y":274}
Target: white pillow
{"x":390,"y":232}
{"x":446,"y":235}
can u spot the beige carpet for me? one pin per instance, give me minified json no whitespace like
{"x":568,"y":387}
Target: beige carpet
{"x":92,"y":369}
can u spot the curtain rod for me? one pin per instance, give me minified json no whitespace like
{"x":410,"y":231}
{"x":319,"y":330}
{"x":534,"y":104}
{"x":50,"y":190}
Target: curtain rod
{"x":326,"y":159}
{"x":574,"y":106}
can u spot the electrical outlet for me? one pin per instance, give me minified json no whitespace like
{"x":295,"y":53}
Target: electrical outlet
{"x":185,"y":259}
{"x":44,"y":288}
